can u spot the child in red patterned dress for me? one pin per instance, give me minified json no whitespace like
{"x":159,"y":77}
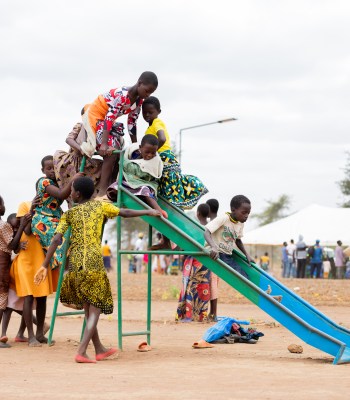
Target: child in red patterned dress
{"x":99,"y":116}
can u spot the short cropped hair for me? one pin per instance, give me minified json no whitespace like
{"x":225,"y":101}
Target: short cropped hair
{"x":238,"y":200}
{"x":150,"y":139}
{"x":203,"y":210}
{"x":149,"y":77}
{"x":153,"y":101}
{"x":85,"y":186}
{"x":46,"y":158}
{"x":213,"y":205}
{"x":11,"y":216}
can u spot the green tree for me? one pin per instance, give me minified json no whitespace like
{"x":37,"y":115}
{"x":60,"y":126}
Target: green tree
{"x":344,"y":184}
{"x":274,"y":210}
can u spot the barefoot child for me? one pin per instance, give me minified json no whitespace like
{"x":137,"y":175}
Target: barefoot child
{"x":183,"y":191}
{"x":48,"y":213}
{"x":8,"y":242}
{"x":99,"y":116}
{"x":141,"y":171}
{"x":226,"y":230}
{"x":86,"y":284}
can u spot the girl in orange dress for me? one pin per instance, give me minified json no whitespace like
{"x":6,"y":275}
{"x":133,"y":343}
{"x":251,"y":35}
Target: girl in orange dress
{"x":22,"y":273}
{"x":8,"y":242}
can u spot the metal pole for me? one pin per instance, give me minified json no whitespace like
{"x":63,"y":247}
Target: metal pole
{"x":180,"y":147}
{"x":119,"y":257}
{"x":58,"y":290}
{"x":149,"y":286}
{"x":220,"y":121}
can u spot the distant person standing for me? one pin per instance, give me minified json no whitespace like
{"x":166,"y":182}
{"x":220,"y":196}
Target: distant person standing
{"x":285,"y":264}
{"x":316,"y":260}
{"x":214,"y":279}
{"x":265,"y":262}
{"x":291,"y":250}
{"x":106,"y":254}
{"x":139,"y":246}
{"x":340,"y":260}
{"x":301,"y":257}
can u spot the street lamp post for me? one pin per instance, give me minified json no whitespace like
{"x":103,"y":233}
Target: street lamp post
{"x":199,"y":126}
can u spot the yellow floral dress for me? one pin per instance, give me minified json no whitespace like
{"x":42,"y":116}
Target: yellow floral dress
{"x":86,"y":280}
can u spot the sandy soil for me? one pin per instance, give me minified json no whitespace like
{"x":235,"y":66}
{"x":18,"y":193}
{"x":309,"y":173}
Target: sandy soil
{"x":173,"y":370}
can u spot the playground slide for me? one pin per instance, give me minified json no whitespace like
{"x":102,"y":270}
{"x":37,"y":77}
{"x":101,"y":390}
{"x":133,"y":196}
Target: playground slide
{"x":293,"y":312}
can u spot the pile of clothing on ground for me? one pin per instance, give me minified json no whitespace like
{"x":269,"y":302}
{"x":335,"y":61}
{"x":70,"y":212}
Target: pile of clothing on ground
{"x":229,"y":330}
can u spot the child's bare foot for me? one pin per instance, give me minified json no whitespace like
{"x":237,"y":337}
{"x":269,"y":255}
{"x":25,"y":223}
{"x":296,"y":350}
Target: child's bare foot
{"x":32,"y":342}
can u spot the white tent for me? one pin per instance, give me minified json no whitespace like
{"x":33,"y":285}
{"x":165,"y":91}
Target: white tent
{"x":327,"y":224}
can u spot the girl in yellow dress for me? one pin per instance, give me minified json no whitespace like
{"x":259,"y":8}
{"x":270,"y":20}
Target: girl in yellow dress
{"x":86,"y":284}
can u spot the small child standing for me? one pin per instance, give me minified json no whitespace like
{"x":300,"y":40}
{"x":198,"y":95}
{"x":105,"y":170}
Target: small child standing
{"x":86,"y":285}
{"x":181,"y":190}
{"x":265,"y":262}
{"x":141,"y":171}
{"x":99,"y":116}
{"x":226,"y":230}
{"x":48,"y":213}
{"x":8,"y":242}
{"x":107,"y":255}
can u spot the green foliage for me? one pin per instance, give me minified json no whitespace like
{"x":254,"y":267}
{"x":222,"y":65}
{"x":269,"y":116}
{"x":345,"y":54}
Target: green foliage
{"x":274,"y":211}
{"x":344,"y":184}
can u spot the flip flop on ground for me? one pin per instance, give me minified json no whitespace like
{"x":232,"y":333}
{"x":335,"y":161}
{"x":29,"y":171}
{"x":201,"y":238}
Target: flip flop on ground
{"x":143,"y":347}
{"x":202,"y":344}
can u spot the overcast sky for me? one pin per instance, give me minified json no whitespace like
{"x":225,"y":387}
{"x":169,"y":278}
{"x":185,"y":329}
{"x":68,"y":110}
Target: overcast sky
{"x":280,"y":67}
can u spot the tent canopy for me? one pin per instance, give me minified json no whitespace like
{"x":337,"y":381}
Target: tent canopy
{"x":328,"y":224}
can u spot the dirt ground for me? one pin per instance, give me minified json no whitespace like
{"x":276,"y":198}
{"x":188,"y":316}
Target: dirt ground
{"x":173,"y":370}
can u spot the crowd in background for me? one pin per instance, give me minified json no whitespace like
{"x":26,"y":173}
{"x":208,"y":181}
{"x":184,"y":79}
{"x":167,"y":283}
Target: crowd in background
{"x":315,"y":261}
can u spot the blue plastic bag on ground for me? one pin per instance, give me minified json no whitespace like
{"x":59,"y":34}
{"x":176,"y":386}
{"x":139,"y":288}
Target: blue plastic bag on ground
{"x":221,"y":328}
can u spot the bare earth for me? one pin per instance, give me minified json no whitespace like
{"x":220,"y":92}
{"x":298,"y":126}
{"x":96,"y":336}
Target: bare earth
{"x":173,"y":370}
